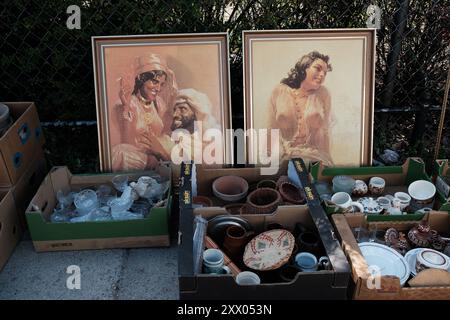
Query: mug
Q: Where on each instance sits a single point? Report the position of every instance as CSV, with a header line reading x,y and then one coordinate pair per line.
x,y
344,201
213,261
236,238
306,261
324,263
404,199
246,278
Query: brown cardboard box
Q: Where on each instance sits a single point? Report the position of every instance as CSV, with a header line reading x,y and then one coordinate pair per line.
x,y
19,144
25,189
10,231
390,288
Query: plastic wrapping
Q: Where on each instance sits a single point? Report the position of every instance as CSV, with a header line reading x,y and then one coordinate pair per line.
x,y
199,242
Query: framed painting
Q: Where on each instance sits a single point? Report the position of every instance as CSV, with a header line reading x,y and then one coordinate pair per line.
x,y
150,87
313,91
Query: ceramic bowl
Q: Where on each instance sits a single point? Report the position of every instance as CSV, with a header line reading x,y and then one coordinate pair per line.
x,y
370,205
230,188
291,193
377,185
360,189
422,191
203,201
429,258
263,200
343,184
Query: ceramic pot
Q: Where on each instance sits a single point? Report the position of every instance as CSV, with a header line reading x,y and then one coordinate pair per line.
x,y
236,238
309,241
428,258
267,184
202,200
420,235
264,200
360,189
282,179
397,241
376,185
288,272
230,188
291,193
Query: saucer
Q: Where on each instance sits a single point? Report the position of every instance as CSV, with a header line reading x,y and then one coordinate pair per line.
x,y
389,261
371,206
269,250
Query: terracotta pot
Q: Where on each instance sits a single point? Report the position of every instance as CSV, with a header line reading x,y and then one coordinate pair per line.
x,y
282,179
202,200
291,193
236,238
264,200
233,208
267,184
309,242
230,188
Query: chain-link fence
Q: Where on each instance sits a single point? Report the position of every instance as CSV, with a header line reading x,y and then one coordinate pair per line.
x,y
44,61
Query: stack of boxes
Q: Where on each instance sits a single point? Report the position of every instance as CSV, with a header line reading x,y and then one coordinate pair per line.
x,y
22,169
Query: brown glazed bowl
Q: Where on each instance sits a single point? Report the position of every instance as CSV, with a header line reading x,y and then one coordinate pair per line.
x,y
230,188
291,193
264,200
202,200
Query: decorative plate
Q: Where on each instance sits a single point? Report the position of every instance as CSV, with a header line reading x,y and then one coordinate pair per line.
x,y
389,261
269,250
370,205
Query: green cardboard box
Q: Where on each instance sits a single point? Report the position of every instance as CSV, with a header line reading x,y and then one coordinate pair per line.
x,y
397,178
152,231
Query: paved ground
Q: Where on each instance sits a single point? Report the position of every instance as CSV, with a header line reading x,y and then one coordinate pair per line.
x,y
104,274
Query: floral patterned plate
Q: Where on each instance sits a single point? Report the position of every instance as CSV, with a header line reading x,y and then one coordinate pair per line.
x,y
269,250
370,205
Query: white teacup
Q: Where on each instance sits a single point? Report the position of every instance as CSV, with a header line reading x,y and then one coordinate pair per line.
x,y
344,200
247,278
404,199
213,261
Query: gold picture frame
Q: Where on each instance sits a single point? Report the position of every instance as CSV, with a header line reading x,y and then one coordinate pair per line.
x,y
195,66
321,115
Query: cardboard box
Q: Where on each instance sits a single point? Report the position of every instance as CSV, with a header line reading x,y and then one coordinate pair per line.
x,y
323,284
152,231
10,230
331,284
19,144
441,170
390,288
24,190
397,179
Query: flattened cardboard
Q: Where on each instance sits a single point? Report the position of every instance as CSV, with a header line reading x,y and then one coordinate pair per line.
x,y
10,230
150,231
18,146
